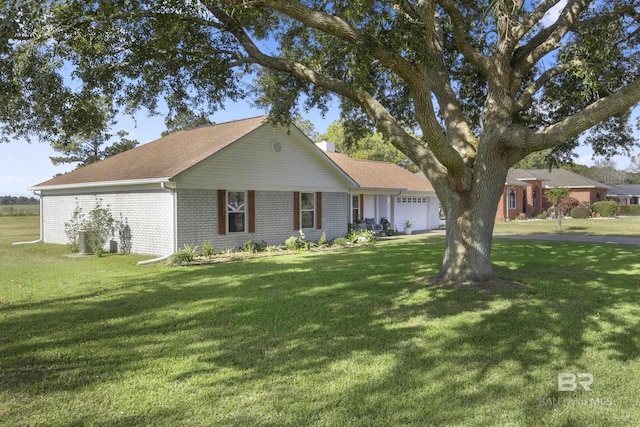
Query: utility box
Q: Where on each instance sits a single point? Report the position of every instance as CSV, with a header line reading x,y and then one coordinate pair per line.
x,y
83,246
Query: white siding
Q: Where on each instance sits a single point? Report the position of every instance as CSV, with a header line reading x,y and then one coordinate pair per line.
x,y
252,162
149,214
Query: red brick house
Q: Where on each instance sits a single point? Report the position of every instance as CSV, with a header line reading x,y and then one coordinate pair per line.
x,y
524,191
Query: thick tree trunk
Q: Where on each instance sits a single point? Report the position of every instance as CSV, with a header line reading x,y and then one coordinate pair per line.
x,y
467,256
470,219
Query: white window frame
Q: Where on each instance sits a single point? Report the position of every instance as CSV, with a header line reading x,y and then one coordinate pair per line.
x,y
355,208
512,199
308,210
239,209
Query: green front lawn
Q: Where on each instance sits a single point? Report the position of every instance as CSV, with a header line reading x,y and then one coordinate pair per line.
x,y
618,226
344,337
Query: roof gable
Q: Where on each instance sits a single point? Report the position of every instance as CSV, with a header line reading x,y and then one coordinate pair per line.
x,y
163,158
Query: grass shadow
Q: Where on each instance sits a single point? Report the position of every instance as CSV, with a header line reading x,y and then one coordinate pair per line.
x,y
359,330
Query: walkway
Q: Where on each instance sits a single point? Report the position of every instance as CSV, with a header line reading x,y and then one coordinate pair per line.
x,y
617,240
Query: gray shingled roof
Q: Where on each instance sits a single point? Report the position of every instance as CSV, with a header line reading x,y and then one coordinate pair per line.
x,y
632,190
556,178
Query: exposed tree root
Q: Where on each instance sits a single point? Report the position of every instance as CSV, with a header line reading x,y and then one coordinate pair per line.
x,y
491,285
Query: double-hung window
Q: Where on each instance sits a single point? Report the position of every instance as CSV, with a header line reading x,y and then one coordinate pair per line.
x,y
355,208
512,198
236,211
308,210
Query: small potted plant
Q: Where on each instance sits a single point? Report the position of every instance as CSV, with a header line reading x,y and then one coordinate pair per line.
x,y
408,227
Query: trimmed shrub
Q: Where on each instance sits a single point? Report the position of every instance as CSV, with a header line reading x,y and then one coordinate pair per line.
x,y
543,215
605,208
633,210
580,212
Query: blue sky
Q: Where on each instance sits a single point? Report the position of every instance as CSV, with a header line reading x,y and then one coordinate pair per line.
x,y
23,165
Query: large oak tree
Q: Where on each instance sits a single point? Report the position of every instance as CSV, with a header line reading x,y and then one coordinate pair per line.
x,y
484,83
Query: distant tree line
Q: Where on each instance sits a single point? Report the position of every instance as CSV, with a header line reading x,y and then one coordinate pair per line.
x,y
18,200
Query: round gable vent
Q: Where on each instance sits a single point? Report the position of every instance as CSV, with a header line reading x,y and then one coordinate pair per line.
x,y
276,147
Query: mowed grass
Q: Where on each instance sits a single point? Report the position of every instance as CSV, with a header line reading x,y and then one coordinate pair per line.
x,y
351,337
617,226
19,210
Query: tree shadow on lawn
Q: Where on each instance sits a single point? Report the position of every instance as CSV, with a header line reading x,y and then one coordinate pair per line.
x,y
335,318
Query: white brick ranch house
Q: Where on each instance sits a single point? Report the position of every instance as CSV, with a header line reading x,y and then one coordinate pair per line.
x,y
226,184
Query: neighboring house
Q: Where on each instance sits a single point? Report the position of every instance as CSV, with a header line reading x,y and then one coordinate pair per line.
x,y
386,190
226,183
625,194
524,191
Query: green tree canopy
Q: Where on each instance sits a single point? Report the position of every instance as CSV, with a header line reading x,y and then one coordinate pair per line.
x,y
85,139
483,83
371,146
185,119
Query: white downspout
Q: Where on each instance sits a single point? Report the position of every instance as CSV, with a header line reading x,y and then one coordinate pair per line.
x,y
154,260
173,234
41,239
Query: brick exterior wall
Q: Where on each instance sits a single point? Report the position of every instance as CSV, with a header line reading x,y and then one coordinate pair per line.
x,y
198,220
148,213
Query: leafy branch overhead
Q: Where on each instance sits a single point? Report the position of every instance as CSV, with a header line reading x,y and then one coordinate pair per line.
x,y
463,88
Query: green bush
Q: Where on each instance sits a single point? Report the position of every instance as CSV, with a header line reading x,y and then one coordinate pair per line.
x,y
323,239
580,212
252,247
185,255
340,241
291,243
605,208
362,237
208,250
633,210
543,215
299,243
99,225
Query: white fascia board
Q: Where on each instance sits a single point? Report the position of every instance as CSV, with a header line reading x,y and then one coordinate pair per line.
x,y
373,190
101,184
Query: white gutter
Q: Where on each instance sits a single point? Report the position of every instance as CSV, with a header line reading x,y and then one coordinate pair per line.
x,y
102,184
378,190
